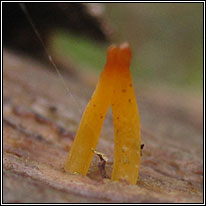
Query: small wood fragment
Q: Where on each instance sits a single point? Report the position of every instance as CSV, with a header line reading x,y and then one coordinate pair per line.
x,y
102,163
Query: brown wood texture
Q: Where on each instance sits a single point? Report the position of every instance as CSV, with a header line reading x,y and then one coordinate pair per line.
x,y
39,124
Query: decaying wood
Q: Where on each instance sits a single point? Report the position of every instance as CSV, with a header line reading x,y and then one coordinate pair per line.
x,y
39,125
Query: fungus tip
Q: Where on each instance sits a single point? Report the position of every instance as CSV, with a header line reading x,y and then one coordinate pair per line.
x,y
125,55
111,55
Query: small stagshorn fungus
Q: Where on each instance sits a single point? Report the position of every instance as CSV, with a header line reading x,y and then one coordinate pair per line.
x,y
114,89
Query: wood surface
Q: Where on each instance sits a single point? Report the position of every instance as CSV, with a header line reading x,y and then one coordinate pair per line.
x,y
39,124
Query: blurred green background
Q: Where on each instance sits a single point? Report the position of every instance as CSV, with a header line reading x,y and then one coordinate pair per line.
x,y
166,40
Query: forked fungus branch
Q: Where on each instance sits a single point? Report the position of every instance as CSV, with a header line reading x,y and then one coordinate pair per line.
x,y
115,89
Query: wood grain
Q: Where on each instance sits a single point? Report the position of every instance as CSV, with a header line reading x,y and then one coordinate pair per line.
x,y
39,125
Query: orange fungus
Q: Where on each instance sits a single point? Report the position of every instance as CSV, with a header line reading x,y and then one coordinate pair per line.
x,y
115,89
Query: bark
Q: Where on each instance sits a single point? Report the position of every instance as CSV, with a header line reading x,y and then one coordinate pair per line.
x,y
39,124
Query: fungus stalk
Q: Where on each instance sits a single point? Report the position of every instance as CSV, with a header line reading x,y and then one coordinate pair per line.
x,y
127,142
81,153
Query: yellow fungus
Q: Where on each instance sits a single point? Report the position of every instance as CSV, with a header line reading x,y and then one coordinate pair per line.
x,y
81,153
114,89
126,121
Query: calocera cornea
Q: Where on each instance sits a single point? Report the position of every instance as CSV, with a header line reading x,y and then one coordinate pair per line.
x,y
115,89
81,152
127,142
